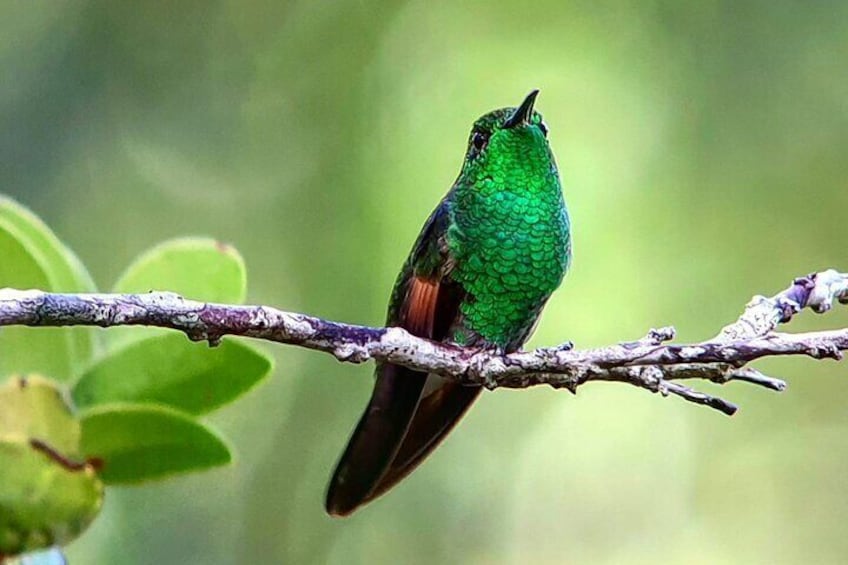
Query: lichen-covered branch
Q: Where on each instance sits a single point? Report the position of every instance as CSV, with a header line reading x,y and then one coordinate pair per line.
x,y
650,363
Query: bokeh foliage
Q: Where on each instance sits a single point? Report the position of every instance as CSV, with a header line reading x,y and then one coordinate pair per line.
x,y
702,148
116,413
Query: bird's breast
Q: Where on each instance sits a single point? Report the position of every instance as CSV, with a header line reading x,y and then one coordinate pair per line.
x,y
511,251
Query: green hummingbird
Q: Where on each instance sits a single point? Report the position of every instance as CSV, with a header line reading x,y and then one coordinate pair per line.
x,y
486,261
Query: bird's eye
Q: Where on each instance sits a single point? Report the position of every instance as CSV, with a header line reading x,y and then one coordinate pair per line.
x,y
479,140
544,128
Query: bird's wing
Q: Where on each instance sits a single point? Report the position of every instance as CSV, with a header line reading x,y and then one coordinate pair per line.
x,y
409,411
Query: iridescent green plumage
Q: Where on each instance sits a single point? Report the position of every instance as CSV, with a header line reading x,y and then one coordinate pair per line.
x,y
510,233
484,265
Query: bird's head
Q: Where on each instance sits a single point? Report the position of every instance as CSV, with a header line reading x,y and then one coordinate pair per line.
x,y
509,144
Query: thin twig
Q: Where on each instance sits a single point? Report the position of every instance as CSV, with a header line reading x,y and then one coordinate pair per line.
x,y
650,363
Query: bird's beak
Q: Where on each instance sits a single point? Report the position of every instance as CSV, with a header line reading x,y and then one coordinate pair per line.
x,y
522,114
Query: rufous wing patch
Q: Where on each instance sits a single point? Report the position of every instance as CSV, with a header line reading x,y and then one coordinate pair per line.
x,y
419,308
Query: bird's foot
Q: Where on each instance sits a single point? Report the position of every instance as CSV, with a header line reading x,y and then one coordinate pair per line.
x,y
486,360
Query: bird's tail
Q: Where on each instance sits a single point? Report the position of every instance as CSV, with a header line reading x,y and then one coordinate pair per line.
x,y
376,439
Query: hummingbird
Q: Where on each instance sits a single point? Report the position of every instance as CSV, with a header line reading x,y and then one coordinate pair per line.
x,y
484,265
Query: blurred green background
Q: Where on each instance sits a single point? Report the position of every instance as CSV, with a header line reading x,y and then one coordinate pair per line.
x,y
703,153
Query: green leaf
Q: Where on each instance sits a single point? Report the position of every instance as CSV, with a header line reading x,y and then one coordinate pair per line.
x,y
145,442
34,408
169,369
197,268
43,502
31,256
47,494
24,350
66,271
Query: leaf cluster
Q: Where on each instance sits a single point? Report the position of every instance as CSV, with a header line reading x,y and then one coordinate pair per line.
x,y
81,408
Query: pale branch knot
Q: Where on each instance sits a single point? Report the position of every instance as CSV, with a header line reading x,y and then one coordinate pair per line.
x,y
650,363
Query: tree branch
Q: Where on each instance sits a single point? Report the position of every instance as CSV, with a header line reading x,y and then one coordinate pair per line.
x,y
649,363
